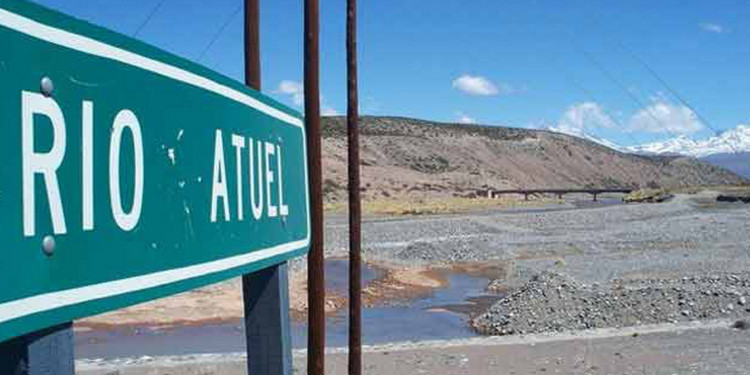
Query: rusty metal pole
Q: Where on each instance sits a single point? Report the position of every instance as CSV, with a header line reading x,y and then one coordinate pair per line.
x,y
355,229
265,292
252,43
315,276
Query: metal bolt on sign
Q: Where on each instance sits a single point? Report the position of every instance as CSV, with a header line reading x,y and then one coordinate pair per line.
x,y
47,86
48,245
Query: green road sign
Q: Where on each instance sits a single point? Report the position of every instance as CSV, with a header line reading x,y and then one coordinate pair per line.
x,y
129,174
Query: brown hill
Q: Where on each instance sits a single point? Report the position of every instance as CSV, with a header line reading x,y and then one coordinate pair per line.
x,y
404,157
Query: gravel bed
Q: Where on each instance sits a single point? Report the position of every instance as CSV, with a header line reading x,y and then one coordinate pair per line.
x,y
597,244
551,301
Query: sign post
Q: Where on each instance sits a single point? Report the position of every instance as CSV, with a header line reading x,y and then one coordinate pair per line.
x,y
132,174
265,292
45,352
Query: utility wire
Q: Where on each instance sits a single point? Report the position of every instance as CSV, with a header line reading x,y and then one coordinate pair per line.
x,y
639,103
219,32
148,18
671,90
619,84
568,76
663,82
622,87
590,96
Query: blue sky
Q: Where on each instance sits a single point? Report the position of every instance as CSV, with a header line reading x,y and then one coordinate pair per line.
x,y
515,63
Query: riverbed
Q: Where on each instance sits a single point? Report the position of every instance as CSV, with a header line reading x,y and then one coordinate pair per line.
x,y
441,314
590,242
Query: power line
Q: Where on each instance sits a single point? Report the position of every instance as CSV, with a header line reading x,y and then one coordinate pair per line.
x,y
589,95
622,87
219,32
148,18
619,84
672,90
663,82
639,103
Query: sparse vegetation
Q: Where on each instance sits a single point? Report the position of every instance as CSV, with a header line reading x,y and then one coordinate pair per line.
x,y
433,206
648,196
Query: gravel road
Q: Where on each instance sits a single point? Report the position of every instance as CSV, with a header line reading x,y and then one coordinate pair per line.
x,y
707,348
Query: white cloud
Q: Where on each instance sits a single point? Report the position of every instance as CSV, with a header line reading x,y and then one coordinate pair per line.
x,y
463,118
581,118
297,91
480,86
664,117
328,111
713,28
293,88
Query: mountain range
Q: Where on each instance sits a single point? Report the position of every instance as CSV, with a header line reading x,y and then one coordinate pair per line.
x,y
729,149
737,162
403,157
730,141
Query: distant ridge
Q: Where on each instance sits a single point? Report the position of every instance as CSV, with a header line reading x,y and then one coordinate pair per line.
x,y
403,157
738,163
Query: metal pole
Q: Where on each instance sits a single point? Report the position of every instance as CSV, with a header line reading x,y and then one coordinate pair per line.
x,y
252,43
265,292
352,116
315,277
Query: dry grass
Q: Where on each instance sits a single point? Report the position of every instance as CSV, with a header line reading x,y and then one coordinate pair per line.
x,y
435,206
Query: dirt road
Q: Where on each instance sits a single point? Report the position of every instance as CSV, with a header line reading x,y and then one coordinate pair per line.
x,y
693,348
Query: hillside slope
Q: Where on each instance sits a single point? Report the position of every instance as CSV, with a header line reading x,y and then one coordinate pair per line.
x,y
738,163
409,157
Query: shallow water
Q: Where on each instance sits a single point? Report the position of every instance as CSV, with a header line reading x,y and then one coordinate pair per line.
x,y
337,274
442,314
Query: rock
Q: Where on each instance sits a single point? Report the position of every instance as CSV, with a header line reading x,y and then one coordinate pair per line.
x,y
741,324
733,198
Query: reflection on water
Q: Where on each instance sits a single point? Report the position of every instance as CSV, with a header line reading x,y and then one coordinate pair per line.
x,y
337,274
441,315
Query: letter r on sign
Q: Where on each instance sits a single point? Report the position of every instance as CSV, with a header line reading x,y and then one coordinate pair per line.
x,y
45,164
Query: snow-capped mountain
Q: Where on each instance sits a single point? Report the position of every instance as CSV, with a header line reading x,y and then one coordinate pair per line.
x,y
730,141
729,150
678,145
601,141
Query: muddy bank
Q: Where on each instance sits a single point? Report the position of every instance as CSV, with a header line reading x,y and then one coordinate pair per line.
x,y
436,304
223,303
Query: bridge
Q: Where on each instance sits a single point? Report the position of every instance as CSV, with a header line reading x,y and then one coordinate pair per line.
x,y
559,192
